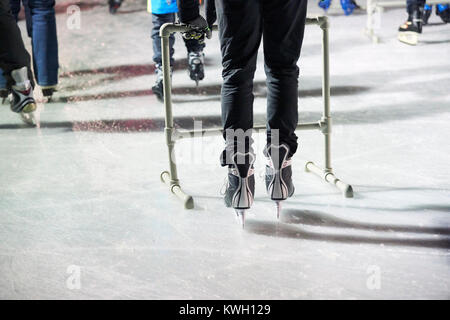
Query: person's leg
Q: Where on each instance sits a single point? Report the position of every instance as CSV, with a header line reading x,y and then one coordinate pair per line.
x,y
240,31
193,45
15,61
44,41
283,28
196,59
412,5
13,54
158,20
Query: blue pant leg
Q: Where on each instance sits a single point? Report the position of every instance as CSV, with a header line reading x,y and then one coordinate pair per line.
x,y
44,41
158,20
2,80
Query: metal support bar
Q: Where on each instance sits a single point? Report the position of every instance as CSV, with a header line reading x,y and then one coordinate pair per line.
x,y
324,124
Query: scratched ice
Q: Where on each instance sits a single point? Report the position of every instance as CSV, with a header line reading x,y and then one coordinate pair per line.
x,y
83,213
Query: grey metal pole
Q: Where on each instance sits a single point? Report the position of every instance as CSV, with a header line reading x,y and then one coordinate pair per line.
x,y
172,178
326,92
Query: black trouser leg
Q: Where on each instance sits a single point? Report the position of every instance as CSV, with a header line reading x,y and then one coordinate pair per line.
x,y
193,45
13,54
283,29
412,5
240,31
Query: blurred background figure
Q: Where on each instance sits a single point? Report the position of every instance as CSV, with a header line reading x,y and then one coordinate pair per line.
x,y
347,5
409,31
41,28
163,11
15,62
418,15
114,5
442,10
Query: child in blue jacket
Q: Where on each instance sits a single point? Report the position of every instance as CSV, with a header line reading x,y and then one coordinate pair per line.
x,y
163,11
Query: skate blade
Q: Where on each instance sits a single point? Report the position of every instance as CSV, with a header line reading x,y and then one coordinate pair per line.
x,y
29,114
411,38
240,216
278,205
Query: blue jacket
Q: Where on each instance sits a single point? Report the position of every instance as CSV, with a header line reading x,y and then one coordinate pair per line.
x,y
162,6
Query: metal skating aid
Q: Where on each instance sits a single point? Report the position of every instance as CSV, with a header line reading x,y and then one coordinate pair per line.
x,y
323,125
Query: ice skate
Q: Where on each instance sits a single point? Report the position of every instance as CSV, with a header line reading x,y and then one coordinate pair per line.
x,y
409,31
240,189
22,100
47,92
443,11
114,5
196,68
278,178
157,88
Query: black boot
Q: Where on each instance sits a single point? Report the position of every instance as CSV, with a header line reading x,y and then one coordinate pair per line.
x,y
240,190
409,31
195,66
279,183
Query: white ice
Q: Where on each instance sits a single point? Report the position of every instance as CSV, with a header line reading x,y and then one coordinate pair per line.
x,y
83,191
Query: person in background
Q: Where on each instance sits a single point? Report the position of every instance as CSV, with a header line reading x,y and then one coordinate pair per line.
x,y
164,11
114,5
15,63
442,10
41,28
347,5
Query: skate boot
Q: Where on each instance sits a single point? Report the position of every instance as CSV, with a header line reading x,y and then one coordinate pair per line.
x,y
240,188
348,6
195,68
278,178
426,13
47,92
114,5
158,89
409,31
443,11
22,100
324,4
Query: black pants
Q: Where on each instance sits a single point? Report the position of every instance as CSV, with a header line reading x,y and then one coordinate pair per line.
x,y
412,5
13,54
242,24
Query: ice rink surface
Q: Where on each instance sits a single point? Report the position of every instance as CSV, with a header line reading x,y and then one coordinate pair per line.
x,y
83,214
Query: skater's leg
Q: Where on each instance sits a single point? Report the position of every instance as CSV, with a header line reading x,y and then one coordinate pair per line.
x,y
240,30
412,5
410,30
13,54
196,59
283,28
44,42
158,20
